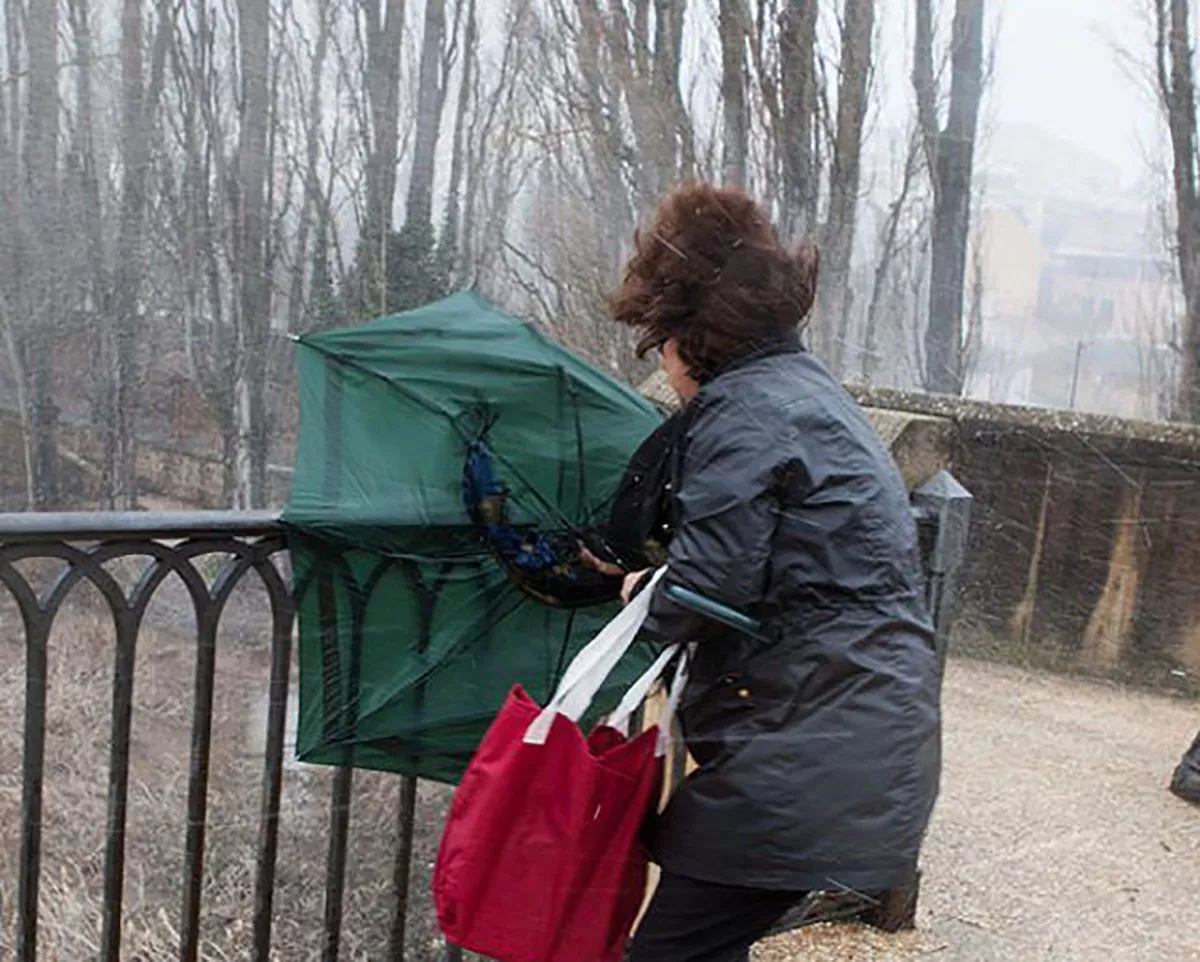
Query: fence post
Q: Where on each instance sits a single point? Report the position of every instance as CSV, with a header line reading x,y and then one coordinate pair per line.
x,y
943,510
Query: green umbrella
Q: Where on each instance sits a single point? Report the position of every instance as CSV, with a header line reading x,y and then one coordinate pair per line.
x,y
450,460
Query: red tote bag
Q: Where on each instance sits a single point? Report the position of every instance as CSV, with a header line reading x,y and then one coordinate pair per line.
x,y
541,860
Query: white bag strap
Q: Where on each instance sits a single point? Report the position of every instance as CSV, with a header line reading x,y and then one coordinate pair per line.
x,y
586,674
667,720
619,719
637,693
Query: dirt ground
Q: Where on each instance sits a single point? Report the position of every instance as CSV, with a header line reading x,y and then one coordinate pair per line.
x,y
1054,837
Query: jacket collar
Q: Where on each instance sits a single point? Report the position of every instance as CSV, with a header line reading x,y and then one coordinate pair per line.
x,y
788,343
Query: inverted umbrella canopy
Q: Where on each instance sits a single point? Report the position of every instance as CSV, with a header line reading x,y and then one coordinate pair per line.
x,y
450,460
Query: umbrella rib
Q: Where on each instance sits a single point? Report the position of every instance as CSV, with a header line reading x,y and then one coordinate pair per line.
x,y
412,395
584,506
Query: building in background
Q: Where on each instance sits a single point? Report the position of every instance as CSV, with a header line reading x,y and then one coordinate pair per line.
x,y
1079,293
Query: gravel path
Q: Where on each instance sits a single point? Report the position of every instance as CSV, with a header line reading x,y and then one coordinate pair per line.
x,y
1054,839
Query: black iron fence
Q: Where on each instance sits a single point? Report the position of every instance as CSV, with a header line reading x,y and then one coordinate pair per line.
x,y
211,554
85,544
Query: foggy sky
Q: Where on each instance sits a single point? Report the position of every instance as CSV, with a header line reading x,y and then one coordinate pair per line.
x,y
1058,66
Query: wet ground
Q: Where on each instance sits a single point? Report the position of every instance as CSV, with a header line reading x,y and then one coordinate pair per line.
x,y
1055,838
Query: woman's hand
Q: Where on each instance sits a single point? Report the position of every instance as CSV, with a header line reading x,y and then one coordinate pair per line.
x,y
632,583
596,564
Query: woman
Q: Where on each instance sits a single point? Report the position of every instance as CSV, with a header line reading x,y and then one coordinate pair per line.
x,y
819,748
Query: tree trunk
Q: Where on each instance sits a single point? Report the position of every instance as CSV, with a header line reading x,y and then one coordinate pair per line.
x,y
1177,92
883,266
600,112
384,42
643,69
449,242
250,455
951,157
135,161
798,76
312,190
415,276
733,91
431,95
43,301
84,161
14,16
92,290
12,254
668,62
636,63
858,30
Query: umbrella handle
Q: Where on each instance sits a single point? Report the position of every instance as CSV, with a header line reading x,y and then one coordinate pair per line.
x,y
717,611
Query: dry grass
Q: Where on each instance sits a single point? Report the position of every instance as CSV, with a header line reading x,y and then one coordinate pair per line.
x,y
77,754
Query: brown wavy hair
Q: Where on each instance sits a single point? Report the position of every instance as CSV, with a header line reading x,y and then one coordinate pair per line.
x,y
711,272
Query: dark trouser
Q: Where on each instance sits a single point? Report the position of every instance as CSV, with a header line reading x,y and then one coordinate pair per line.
x,y
692,921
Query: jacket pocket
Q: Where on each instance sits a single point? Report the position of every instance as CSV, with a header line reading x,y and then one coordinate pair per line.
x,y
719,715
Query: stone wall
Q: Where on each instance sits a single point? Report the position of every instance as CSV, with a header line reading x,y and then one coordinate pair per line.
x,y
168,477
1084,552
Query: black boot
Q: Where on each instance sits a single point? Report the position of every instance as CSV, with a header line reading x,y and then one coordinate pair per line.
x,y
1186,783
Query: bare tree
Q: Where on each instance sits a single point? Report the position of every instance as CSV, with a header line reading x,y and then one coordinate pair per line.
x,y
889,243
219,190
12,254
250,247
976,291
950,155
103,271
449,254
497,165
582,124
383,30
431,98
32,308
1177,94
642,57
799,130
733,90
140,99
215,172
857,34
87,289
613,133
415,276
311,257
